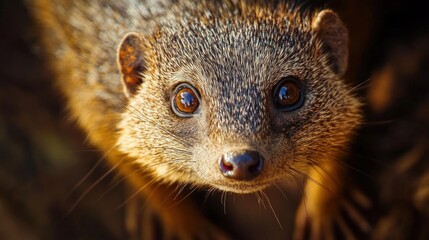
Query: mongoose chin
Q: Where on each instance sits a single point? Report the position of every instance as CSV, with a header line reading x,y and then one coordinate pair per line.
x,y
235,95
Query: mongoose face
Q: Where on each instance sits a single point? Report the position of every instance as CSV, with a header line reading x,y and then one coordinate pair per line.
x,y
237,100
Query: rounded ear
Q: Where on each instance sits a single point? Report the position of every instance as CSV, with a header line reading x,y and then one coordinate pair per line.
x,y
131,62
334,37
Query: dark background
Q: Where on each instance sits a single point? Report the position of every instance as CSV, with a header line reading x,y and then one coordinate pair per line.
x,y
43,154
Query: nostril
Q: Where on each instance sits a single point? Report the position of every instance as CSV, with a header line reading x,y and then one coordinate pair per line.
x,y
256,167
243,165
225,166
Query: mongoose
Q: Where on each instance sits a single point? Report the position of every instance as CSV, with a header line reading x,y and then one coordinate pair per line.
x,y
230,95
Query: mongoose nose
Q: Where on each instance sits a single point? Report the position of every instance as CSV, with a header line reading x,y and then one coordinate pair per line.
x,y
243,165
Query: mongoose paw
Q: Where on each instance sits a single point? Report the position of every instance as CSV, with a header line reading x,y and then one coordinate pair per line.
x,y
333,218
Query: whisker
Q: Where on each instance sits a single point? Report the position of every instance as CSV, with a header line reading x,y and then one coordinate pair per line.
x,y
89,173
92,186
209,191
304,198
380,163
136,193
152,192
186,196
301,186
271,207
382,122
122,179
182,187
281,191
359,171
309,178
362,84
260,200
144,186
325,173
142,169
221,198
224,203
257,199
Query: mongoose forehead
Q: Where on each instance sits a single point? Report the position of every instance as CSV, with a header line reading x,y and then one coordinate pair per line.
x,y
234,55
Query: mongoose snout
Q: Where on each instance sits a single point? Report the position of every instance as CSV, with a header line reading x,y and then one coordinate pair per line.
x,y
242,165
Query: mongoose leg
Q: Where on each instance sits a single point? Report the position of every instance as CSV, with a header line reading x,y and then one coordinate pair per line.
x,y
321,212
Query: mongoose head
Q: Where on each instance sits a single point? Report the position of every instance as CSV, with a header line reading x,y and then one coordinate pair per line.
x,y
237,96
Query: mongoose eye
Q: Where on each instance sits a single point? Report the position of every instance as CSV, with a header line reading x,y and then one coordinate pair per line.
x,y
185,101
288,94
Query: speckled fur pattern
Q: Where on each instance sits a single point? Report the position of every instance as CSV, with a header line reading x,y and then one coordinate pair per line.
x,y
233,52
235,57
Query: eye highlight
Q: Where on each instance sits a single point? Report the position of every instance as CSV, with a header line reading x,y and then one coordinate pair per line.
x,y
185,101
288,94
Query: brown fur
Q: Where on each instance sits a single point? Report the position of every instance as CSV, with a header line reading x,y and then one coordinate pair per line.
x,y
234,53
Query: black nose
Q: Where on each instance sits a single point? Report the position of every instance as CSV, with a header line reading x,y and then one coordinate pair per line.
x,y
243,165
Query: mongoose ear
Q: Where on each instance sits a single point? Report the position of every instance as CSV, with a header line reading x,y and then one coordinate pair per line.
x,y
131,62
334,37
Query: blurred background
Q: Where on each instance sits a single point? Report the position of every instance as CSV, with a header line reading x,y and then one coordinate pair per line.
x,y
44,155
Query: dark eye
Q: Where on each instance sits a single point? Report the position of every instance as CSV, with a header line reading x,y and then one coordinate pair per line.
x,y
185,101
288,94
